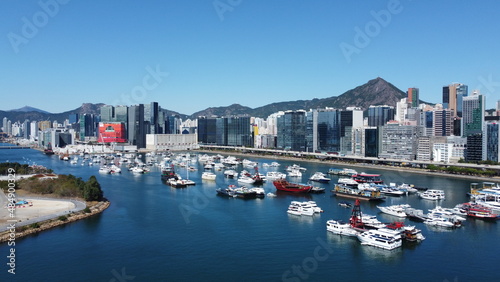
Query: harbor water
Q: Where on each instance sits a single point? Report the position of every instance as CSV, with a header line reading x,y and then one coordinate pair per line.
x,y
153,232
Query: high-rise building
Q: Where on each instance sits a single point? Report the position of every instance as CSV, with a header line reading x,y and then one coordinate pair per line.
x,y
325,131
462,91
292,131
371,142
380,115
207,133
474,152
26,129
413,97
398,141
107,113
443,122
493,142
473,114
446,97
135,129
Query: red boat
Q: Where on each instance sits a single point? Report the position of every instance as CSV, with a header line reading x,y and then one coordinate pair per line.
x,y
479,211
284,185
367,178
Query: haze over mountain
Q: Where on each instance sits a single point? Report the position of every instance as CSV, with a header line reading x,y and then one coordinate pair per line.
x,y
375,92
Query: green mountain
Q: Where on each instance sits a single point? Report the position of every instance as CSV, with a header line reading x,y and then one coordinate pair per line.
x,y
375,92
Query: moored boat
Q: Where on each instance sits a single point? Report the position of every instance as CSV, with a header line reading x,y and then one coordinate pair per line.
x,y
340,227
348,191
284,185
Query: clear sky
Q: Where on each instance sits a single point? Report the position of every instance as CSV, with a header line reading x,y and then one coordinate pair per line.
x,y
192,54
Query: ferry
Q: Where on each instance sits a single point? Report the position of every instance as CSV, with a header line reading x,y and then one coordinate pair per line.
x,y
380,238
347,191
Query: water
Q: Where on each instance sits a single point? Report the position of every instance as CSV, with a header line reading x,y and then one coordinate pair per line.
x,y
152,232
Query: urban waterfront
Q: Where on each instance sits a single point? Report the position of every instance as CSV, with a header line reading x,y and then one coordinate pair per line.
x,y
153,232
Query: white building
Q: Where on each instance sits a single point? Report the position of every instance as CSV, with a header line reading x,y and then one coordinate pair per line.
x,y
174,142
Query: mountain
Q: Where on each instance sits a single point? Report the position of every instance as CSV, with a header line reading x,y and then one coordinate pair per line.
x,y
29,109
375,92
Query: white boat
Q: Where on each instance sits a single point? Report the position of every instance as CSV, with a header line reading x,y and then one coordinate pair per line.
x,y
259,191
340,227
319,177
395,210
137,170
115,169
303,207
380,238
432,194
274,164
208,175
294,210
104,170
246,179
275,175
230,173
314,206
391,191
439,221
295,167
271,195
295,173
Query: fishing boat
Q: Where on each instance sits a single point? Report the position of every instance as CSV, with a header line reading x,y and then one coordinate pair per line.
x,y
284,185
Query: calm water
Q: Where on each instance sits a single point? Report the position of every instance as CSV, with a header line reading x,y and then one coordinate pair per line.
x,y
152,232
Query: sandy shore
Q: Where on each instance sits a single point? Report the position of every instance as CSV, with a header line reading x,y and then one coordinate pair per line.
x,y
37,208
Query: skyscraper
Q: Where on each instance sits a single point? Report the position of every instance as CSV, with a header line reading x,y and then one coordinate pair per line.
x,y
413,97
453,95
473,114
380,115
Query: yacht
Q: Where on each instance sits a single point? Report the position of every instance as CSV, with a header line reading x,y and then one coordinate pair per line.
x,y
230,173
295,167
104,170
380,238
295,173
260,192
208,175
432,194
319,177
340,227
275,175
439,221
395,210
245,179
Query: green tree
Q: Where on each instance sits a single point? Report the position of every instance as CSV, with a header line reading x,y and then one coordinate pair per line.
x,y
92,190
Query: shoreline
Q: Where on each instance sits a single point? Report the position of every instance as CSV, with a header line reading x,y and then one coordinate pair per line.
x,y
356,165
42,225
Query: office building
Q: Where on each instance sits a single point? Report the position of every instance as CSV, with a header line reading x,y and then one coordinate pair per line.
x,y
413,97
473,114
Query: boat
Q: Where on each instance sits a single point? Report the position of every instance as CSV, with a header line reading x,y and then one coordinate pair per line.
x,y
348,191
275,175
230,173
104,170
343,171
317,190
208,175
295,173
176,183
391,191
439,221
168,172
137,170
345,204
394,210
48,150
304,208
479,211
412,234
260,192
415,214
245,193
227,192
432,194
271,195
314,206
284,185
340,227
319,177
245,179
367,178
380,238
295,167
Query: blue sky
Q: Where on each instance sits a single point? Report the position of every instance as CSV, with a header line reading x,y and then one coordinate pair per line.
x,y
190,55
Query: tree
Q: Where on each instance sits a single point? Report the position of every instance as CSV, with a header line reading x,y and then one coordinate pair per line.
x,y
92,190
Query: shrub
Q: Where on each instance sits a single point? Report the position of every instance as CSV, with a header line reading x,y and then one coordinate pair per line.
x,y
62,218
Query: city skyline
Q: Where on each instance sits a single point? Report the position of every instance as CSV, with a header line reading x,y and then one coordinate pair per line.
x,y
191,56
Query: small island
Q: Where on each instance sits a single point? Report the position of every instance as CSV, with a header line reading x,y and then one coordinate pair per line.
x,y
34,199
